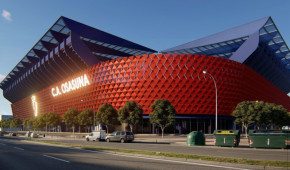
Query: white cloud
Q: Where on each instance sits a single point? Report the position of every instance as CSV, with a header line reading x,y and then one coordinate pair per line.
x,y
1,77
6,15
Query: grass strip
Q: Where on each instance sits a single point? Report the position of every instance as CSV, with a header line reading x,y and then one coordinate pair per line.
x,y
177,155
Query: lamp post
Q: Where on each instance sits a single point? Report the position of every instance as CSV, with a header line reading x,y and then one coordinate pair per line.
x,y
216,111
94,116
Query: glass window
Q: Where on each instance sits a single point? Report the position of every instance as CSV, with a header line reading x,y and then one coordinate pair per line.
x,y
56,27
263,31
123,133
271,28
60,22
202,48
129,133
118,133
216,45
65,30
269,22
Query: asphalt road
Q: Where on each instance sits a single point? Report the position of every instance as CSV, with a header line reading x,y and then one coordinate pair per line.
x,y
18,154
235,152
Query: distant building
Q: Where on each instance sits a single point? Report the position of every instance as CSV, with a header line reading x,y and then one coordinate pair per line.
x,y
4,117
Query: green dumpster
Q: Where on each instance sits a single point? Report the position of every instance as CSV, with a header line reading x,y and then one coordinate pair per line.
x,y
195,138
269,138
226,137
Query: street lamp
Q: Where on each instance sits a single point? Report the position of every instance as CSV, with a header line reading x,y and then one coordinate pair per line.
x,y
216,111
93,113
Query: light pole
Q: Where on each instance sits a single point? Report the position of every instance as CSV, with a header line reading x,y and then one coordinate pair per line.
x,y
94,116
216,110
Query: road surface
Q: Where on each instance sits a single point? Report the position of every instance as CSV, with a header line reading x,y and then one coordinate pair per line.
x,y
18,154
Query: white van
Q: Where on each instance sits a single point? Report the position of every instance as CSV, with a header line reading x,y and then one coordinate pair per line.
x,y
96,136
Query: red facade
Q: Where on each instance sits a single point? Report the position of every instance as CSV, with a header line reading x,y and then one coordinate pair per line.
x,y
176,77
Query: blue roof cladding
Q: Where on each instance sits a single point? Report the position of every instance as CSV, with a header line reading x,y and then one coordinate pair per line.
x,y
234,33
65,49
239,44
90,53
95,34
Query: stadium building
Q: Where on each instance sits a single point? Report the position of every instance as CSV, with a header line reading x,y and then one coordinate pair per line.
x,y
77,66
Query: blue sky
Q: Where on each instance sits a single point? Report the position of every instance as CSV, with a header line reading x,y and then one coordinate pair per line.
x,y
157,24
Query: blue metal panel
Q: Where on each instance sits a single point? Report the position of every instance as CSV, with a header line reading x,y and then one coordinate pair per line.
x,y
246,50
65,43
92,33
240,31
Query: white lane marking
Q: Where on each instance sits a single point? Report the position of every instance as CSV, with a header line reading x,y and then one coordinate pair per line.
x,y
56,158
190,163
76,148
95,151
2,144
18,148
182,162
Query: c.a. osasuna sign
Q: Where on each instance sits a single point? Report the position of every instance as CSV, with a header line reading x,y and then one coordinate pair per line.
x,y
71,85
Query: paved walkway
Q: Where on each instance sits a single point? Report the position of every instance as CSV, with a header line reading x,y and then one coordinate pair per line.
x,y
172,139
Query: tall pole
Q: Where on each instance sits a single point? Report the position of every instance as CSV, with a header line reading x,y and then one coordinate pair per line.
x,y
216,104
94,116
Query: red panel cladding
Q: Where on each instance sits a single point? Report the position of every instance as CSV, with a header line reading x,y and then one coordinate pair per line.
x,y
176,77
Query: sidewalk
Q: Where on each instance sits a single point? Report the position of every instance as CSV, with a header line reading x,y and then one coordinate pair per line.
x,y
172,139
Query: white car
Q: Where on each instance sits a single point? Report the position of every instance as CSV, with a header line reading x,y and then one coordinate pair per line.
x,y
96,136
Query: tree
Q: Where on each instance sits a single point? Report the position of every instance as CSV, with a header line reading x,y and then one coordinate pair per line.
x,y
11,123
279,115
245,114
42,121
86,118
162,114
262,111
107,115
1,124
27,123
70,118
37,123
6,123
130,113
15,123
53,120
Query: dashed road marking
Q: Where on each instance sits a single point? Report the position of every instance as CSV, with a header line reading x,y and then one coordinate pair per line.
x,y
56,158
18,148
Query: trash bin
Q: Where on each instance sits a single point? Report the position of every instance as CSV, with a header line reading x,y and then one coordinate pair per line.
x,y
269,139
195,138
226,138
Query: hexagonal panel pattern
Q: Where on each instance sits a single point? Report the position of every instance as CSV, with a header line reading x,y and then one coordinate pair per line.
x,y
176,77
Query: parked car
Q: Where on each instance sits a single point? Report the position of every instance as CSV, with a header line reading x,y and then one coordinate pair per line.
x,y
121,136
96,136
